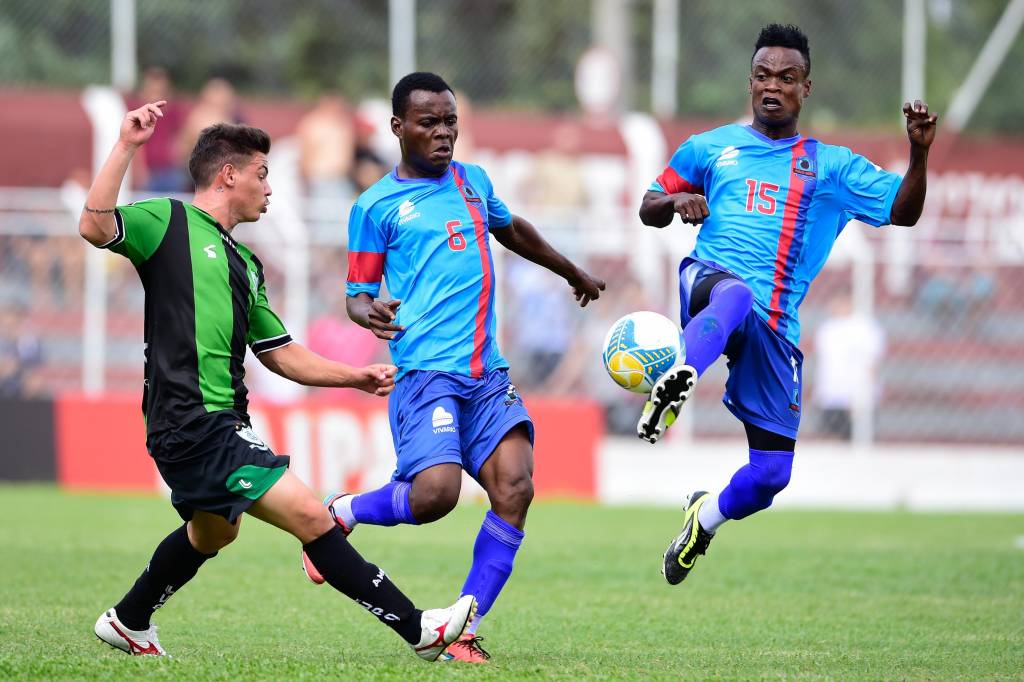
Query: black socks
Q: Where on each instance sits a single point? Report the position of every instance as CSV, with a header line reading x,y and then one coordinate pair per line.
x,y
346,571
174,563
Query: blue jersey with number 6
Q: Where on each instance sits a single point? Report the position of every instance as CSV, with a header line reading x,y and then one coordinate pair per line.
x,y
777,207
428,237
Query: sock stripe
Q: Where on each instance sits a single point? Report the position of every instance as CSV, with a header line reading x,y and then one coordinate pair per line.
x,y
400,502
502,531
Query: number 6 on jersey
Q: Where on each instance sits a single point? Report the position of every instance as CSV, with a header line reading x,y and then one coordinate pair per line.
x,y
456,242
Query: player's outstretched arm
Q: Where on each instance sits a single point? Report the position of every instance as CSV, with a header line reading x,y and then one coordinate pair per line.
x,y
657,209
97,222
522,238
376,315
909,203
303,366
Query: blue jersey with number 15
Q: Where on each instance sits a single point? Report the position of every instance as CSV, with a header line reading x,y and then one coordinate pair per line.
x,y
777,207
428,237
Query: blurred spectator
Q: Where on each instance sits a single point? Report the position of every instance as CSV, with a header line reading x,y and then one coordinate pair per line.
x,y
955,296
848,347
327,148
216,103
368,167
542,316
556,178
21,354
162,168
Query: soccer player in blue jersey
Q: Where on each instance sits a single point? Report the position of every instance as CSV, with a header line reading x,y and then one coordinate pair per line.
x,y
770,203
424,227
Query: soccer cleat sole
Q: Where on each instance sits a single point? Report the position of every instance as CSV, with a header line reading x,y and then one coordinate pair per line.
x,y
669,394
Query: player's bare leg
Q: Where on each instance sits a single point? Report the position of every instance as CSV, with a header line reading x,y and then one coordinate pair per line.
x,y
292,506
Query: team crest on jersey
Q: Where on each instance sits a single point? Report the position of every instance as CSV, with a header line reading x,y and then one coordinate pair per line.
x,y
804,166
470,194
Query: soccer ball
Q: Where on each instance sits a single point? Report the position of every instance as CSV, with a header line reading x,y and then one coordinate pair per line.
x,y
639,348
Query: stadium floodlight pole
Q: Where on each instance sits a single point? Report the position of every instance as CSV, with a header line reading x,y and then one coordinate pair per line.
x,y
401,38
985,67
123,59
665,57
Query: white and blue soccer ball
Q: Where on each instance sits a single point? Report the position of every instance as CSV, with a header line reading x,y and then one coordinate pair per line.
x,y
639,348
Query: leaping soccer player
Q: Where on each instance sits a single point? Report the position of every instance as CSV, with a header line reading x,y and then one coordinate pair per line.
x,y
770,203
424,227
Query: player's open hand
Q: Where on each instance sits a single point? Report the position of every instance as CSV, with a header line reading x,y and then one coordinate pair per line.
x,y
692,208
139,124
375,379
381,318
920,124
586,287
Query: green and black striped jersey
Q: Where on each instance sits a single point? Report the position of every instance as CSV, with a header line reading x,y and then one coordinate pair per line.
x,y
205,301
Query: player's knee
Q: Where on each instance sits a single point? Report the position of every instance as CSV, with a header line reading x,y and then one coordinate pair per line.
x,y
212,540
513,495
433,501
773,473
739,295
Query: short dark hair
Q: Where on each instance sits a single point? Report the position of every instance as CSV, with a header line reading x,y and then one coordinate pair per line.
x,y
778,35
420,80
224,143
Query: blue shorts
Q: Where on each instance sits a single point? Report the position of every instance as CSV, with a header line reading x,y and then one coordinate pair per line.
x,y
765,370
438,417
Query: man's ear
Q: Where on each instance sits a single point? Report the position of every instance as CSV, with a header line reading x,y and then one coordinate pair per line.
x,y
807,88
228,175
396,127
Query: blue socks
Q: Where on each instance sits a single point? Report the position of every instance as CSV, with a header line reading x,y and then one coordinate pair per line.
x,y
755,485
706,334
385,506
493,554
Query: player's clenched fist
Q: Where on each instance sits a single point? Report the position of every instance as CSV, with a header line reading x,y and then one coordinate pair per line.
x,y
920,124
692,208
381,318
139,124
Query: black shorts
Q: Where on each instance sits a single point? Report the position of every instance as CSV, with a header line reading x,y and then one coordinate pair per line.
x,y
215,464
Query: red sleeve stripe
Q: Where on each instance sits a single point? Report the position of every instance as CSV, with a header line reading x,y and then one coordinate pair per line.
x,y
674,183
365,267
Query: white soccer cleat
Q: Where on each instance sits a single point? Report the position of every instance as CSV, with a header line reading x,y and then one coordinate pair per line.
x,y
135,642
441,627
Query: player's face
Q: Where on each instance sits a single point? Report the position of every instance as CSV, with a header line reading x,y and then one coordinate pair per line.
x,y
252,190
428,131
778,86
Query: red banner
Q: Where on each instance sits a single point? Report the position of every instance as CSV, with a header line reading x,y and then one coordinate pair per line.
x,y
344,445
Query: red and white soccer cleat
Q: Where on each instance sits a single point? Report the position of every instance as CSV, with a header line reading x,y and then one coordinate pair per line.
x,y
467,649
307,565
135,642
441,627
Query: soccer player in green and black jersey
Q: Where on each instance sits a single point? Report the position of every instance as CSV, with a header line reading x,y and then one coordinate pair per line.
x,y
206,301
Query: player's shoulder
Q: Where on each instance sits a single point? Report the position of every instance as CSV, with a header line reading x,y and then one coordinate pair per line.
x,y
471,172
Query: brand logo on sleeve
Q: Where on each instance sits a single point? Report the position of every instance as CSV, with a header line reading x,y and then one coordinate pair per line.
x,y
442,420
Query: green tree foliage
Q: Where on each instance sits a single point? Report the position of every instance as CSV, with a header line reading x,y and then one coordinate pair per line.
x,y
517,54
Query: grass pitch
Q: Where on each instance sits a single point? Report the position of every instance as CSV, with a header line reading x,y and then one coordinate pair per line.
x,y
805,595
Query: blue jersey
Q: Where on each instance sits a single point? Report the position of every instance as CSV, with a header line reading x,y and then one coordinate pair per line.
x,y
428,237
777,207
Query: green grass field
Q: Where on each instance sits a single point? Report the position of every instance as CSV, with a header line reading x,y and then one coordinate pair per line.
x,y
782,595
